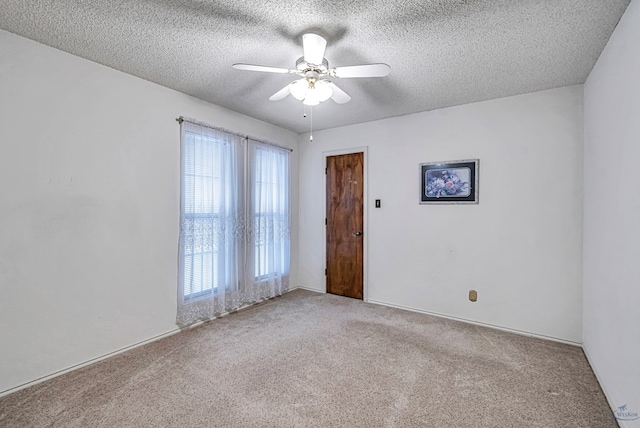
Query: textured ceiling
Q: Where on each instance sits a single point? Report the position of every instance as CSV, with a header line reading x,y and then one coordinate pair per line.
x,y
441,52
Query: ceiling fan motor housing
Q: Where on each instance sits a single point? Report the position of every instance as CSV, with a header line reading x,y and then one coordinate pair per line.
x,y
303,66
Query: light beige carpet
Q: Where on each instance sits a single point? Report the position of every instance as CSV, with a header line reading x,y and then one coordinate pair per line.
x,y
314,360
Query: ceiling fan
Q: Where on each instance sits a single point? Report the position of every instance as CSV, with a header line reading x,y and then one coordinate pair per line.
x,y
314,85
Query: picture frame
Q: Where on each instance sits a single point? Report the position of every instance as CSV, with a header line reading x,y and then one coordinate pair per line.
x,y
449,182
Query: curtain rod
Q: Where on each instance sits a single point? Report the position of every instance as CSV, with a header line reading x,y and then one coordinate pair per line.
x,y
217,128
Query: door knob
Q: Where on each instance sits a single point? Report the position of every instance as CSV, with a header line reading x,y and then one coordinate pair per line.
x,y
358,233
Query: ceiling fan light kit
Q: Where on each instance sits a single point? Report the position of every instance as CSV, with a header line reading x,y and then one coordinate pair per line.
x,y
311,91
315,87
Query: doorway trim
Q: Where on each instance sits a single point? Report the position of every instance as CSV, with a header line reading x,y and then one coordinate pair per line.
x,y
365,214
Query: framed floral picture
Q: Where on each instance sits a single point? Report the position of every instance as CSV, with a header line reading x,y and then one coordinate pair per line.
x,y
452,182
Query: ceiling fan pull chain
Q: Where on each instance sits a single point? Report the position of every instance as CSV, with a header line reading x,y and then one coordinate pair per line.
x,y
311,129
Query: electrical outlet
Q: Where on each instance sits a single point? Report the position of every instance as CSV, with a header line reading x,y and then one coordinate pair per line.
x,y
473,295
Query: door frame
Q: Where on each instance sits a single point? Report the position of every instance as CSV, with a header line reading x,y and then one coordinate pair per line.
x,y
365,214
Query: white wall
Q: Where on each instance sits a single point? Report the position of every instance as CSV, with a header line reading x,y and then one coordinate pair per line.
x,y
612,214
89,207
520,247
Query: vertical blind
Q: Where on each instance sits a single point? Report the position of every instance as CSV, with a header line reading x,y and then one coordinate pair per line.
x,y
234,238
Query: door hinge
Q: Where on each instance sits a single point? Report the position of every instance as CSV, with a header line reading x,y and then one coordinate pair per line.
x,y
325,220
325,272
325,171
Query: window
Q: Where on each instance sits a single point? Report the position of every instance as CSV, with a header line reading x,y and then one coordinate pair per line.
x,y
203,162
270,194
234,238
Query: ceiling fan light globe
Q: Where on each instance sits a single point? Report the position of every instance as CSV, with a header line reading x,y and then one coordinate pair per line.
x,y
312,98
325,97
299,89
323,90
298,96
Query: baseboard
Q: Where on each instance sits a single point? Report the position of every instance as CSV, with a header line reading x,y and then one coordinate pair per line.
x,y
177,330
116,352
300,287
86,363
496,327
612,405
437,314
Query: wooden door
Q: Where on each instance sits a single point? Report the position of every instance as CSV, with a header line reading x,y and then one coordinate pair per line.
x,y
345,249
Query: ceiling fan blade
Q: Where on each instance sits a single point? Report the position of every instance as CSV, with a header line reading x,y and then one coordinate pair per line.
x,y
281,94
338,95
251,67
313,46
368,70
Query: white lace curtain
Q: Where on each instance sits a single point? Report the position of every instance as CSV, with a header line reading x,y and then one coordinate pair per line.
x,y
268,232
234,243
